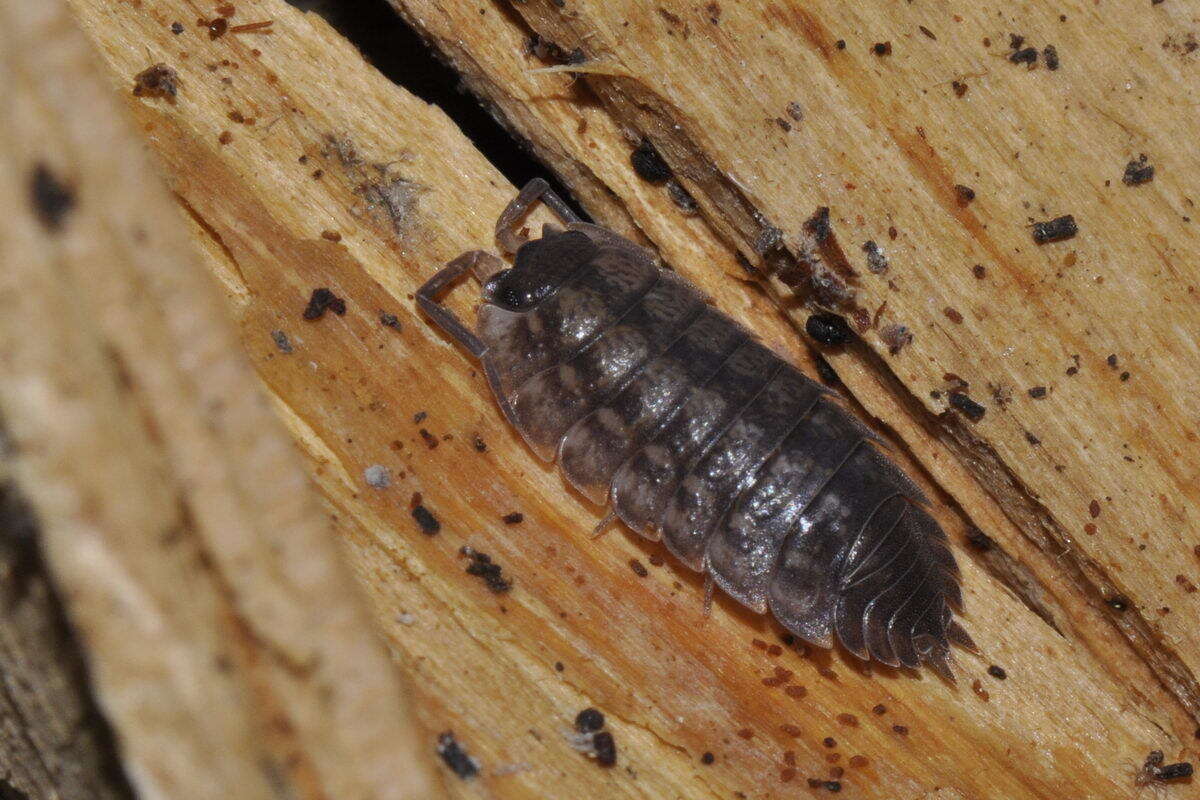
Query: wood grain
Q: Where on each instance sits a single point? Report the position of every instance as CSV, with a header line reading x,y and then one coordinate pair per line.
x,y
1093,470
227,644
347,182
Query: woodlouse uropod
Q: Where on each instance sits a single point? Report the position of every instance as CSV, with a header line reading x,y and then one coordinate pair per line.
x,y
654,401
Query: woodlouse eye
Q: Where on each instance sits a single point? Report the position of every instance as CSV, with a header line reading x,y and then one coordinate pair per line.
x,y
506,290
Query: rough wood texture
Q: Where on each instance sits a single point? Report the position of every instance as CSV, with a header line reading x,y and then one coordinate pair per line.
x,y
226,640
344,181
55,743
769,110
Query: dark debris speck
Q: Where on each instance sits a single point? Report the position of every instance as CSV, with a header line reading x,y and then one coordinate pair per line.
x,y
482,566
828,329
156,81
1055,230
52,199
323,299
589,720
281,341
997,672
877,262
426,520
389,320
1050,56
882,48
648,164
455,757
513,518
606,749
969,408
1138,172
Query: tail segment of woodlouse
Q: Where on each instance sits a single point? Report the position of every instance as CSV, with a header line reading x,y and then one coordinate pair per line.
x,y
651,399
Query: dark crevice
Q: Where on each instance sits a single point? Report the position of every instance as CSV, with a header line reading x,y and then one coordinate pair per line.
x,y
22,568
401,55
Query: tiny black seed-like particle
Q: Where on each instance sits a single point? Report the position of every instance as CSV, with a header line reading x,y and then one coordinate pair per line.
x,y
426,520
589,720
828,329
997,672
606,749
1050,56
648,164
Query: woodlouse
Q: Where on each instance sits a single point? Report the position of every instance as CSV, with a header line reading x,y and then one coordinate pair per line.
x,y
654,401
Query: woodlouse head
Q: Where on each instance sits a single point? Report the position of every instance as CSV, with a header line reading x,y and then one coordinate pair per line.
x,y
540,267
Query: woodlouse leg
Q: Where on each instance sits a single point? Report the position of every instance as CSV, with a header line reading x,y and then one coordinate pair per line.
x,y
509,220
427,298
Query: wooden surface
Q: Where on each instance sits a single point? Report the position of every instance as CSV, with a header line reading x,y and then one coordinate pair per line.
x,y
1109,488
347,182
55,743
226,642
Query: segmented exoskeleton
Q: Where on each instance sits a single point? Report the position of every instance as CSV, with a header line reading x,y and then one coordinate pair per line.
x,y
656,402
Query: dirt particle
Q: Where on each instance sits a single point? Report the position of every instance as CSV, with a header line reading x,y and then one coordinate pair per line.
x,y
877,262
828,329
953,315
1185,584
795,111
51,199
829,742
323,299
707,758
968,407
848,720
879,710
928,33
1094,508
1037,392
901,730
176,28
1033,440
225,138
589,720
513,518
217,27
795,692
979,271
389,320
455,757
896,337
959,88
963,195
605,748
431,441
1055,230
882,48
791,730
1050,56
1117,602
482,566
648,164
331,236
281,341
157,81
378,476
428,523
638,568
1138,172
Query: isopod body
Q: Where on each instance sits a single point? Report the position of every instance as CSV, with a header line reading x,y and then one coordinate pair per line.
x,y
653,401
